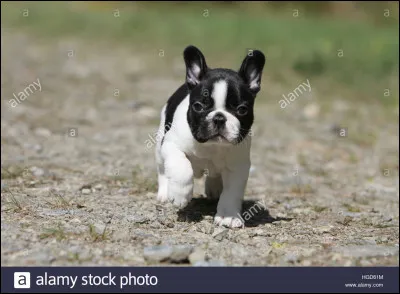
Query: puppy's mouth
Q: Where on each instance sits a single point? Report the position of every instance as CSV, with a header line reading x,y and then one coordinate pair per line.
x,y
218,138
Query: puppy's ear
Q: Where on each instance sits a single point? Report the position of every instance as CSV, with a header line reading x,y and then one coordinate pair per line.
x,y
196,66
251,70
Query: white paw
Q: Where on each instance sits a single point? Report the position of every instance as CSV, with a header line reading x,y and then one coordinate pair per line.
x,y
180,202
163,197
178,195
229,222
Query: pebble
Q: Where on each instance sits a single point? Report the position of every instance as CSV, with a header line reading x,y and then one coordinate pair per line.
x,y
162,253
75,221
311,111
198,255
42,132
291,257
99,228
366,250
323,229
139,219
86,191
37,171
220,234
98,187
181,253
209,263
34,147
121,235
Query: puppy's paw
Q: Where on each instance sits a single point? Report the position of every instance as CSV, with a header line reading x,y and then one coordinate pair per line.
x,y
180,202
229,222
180,195
163,197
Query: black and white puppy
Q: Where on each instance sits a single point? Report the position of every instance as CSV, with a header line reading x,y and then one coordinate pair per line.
x,y
205,127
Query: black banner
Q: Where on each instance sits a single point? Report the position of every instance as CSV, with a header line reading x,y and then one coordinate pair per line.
x,y
199,279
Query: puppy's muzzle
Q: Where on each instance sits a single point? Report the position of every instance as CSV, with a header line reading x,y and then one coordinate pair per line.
x,y
219,120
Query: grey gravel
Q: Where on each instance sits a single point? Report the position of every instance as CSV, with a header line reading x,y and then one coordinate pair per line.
x,y
339,209
220,234
162,253
211,263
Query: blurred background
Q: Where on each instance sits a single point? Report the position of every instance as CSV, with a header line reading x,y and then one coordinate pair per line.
x,y
92,77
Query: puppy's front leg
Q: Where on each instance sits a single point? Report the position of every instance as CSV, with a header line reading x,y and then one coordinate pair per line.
x,y
179,172
230,203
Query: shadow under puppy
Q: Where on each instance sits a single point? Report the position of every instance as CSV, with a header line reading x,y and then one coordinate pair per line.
x,y
205,126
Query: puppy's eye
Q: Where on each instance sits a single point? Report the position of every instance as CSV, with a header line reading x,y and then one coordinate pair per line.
x,y
198,106
242,110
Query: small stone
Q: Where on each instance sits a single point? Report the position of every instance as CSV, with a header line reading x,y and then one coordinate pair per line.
x,y
260,232
369,241
42,132
86,191
97,252
198,255
31,184
365,251
209,263
220,234
99,228
181,253
387,219
384,239
138,219
291,257
34,147
157,253
75,221
311,111
323,229
98,186
37,171
121,235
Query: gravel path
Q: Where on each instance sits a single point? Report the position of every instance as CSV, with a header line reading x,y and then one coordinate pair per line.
x,y
79,180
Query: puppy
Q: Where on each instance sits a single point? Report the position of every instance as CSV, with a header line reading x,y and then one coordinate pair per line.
x,y
205,128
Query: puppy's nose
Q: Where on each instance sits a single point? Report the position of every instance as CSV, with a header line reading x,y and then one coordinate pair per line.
x,y
219,119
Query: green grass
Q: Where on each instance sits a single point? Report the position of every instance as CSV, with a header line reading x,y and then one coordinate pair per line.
x,y
306,47
96,236
57,233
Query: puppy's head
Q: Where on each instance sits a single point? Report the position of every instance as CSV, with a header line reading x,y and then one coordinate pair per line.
x,y
221,100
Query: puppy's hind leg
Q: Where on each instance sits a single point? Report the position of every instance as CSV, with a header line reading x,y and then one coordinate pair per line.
x,y
213,187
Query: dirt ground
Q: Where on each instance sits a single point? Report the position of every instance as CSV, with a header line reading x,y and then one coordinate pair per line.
x,y
79,179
